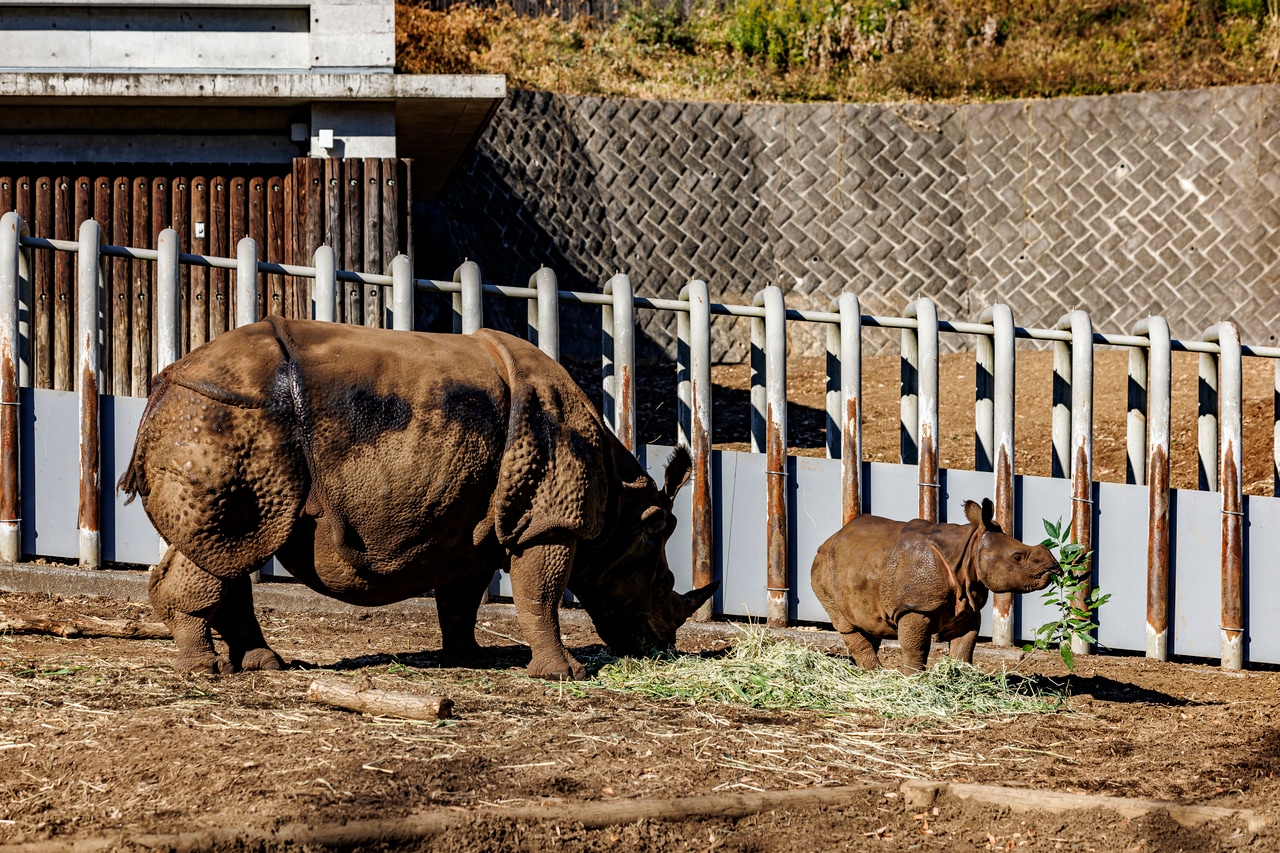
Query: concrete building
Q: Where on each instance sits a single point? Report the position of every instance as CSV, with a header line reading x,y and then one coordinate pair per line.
x,y
279,120
237,81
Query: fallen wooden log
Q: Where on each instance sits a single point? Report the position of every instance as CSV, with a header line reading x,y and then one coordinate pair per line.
x,y
408,706
122,629
591,815
919,794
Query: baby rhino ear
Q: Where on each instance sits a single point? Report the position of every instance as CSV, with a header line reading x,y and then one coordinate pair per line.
x,y
982,515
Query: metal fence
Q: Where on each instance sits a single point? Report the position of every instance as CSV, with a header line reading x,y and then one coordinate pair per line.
x,y
1192,560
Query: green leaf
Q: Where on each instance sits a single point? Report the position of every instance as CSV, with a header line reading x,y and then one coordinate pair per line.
x,y
1068,657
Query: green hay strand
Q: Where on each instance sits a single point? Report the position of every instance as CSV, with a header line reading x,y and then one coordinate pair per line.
x,y
763,671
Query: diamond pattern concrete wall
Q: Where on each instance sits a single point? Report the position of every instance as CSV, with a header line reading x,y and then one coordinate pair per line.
x,y
1129,205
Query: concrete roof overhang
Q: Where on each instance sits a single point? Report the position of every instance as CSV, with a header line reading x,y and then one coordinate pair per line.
x,y
439,117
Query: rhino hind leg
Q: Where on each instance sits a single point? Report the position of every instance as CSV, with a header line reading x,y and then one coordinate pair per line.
x,y
194,603
457,603
224,483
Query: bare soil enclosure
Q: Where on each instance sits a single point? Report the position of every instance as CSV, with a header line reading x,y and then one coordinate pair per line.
x,y
100,739
102,743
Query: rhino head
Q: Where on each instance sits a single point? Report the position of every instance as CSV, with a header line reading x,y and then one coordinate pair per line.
x,y
626,585
1004,564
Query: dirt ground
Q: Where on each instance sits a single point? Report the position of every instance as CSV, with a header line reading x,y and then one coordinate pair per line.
x,y
100,739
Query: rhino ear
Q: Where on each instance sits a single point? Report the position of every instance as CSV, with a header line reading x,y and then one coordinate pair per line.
x,y
989,516
983,516
679,469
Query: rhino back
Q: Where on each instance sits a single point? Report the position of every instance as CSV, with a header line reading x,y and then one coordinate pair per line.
x,y
405,434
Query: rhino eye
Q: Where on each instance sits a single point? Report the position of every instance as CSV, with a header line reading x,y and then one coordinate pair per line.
x,y
1017,557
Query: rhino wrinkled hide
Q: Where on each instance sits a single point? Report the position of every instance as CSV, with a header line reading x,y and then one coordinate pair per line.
x,y
379,465
879,579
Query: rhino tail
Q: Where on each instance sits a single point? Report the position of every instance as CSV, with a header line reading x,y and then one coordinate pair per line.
x,y
133,481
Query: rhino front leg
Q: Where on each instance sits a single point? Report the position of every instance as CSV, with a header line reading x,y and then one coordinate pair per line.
x,y
539,575
862,648
192,602
457,603
961,648
913,636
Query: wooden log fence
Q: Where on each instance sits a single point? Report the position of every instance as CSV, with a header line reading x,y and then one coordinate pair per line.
x,y
209,209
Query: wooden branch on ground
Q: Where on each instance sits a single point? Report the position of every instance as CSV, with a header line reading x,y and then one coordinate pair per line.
x,y
918,794
592,815
408,706
123,629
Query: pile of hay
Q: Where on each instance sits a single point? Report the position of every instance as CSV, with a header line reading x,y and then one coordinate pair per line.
x,y
761,670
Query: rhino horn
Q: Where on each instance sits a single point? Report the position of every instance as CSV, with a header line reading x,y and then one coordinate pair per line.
x,y
694,598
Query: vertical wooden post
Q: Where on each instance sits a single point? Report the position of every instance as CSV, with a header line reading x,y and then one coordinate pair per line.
x,y
161,218
64,211
40,341
237,229
219,247
140,287
199,298
309,172
371,183
276,250
181,206
390,232
353,239
257,211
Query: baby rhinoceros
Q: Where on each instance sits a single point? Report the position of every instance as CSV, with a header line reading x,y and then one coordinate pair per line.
x,y
879,578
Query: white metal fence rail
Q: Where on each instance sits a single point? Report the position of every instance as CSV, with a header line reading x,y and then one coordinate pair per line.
x,y
1073,339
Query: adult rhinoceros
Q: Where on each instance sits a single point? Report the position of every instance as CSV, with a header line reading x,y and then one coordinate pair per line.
x,y
377,465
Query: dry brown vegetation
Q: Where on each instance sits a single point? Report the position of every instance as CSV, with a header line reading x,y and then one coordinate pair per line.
x,y
856,50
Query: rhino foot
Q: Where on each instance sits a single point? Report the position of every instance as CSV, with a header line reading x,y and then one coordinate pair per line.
x,y
562,670
474,658
261,659
205,664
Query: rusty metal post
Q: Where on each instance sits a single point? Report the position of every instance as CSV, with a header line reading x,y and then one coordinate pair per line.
x,y
168,313
844,401
1223,433
544,313
1149,417
468,304
771,332
618,360
920,362
246,282
1079,354
694,393
13,269
325,293
994,423
401,294
88,281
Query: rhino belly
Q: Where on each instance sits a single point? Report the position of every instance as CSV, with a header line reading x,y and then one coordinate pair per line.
x,y
322,557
